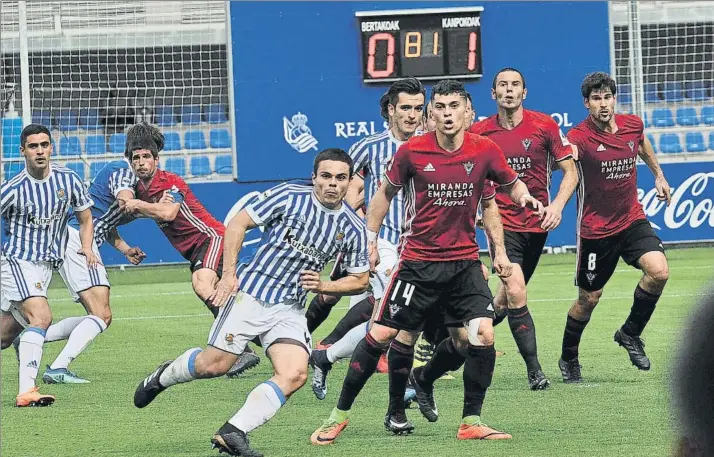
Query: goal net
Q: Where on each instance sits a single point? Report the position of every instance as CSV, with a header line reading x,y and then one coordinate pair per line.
x,y
97,67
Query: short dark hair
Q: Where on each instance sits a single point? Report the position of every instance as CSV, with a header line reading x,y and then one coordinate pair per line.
x,y
448,87
146,130
596,81
33,129
139,143
411,86
502,70
335,154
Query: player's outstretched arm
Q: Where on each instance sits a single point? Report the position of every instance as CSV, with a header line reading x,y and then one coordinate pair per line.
x,y
86,236
352,284
553,213
494,230
647,154
161,211
133,254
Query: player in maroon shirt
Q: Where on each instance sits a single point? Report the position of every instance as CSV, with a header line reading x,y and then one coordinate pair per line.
x,y
443,174
611,222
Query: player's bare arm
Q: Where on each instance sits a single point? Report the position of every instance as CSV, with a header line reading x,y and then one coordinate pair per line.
x,y
86,236
377,210
519,194
494,230
133,254
647,154
553,213
232,243
352,284
162,212
355,192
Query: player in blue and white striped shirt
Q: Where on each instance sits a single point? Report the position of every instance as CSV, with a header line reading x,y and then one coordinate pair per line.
x,y
306,227
35,207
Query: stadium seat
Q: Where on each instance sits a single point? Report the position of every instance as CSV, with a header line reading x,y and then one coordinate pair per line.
x,y
216,113
220,138
11,146
697,90
77,167
672,91
624,94
191,114
165,116
67,121
95,144
200,166
687,116
652,141
11,126
651,93
194,139
694,142
711,141
12,169
707,115
224,164
176,165
117,143
42,117
662,118
95,167
172,141
89,119
669,143
69,146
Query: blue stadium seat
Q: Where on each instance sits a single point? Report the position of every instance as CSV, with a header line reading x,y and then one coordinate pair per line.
x,y
707,115
70,146
711,141
220,138
96,167
11,146
67,121
224,164
191,114
194,139
697,90
662,117
12,169
172,141
651,93
624,94
42,117
669,143
95,144
89,119
176,165
673,91
77,167
165,116
694,142
200,166
216,113
687,116
117,143
11,126
652,141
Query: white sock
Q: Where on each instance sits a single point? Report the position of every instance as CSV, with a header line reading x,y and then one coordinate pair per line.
x,y
261,405
344,347
181,370
79,339
62,329
30,350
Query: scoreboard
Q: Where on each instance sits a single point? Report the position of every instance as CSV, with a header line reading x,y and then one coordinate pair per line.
x,y
429,44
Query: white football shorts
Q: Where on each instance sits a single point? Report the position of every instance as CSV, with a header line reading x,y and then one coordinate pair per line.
x,y
74,270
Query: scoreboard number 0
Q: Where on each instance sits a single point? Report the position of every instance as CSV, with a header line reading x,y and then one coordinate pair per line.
x,y
373,50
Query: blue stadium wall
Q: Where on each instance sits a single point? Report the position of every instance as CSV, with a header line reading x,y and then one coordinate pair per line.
x,y
291,58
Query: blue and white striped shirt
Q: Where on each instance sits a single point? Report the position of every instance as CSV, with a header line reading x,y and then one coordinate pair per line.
x,y
300,234
35,213
106,185
371,156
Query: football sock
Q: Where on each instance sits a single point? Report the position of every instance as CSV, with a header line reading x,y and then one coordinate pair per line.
x,y
260,406
362,366
30,351
346,346
571,338
400,358
500,317
213,309
79,339
62,329
478,372
446,358
358,314
642,309
523,330
181,370
318,311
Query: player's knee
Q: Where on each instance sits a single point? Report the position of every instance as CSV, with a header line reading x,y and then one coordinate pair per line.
x,y
589,300
297,378
104,313
660,273
480,332
382,334
41,317
212,367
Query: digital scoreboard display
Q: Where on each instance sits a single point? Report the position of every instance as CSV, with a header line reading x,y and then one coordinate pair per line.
x,y
429,44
